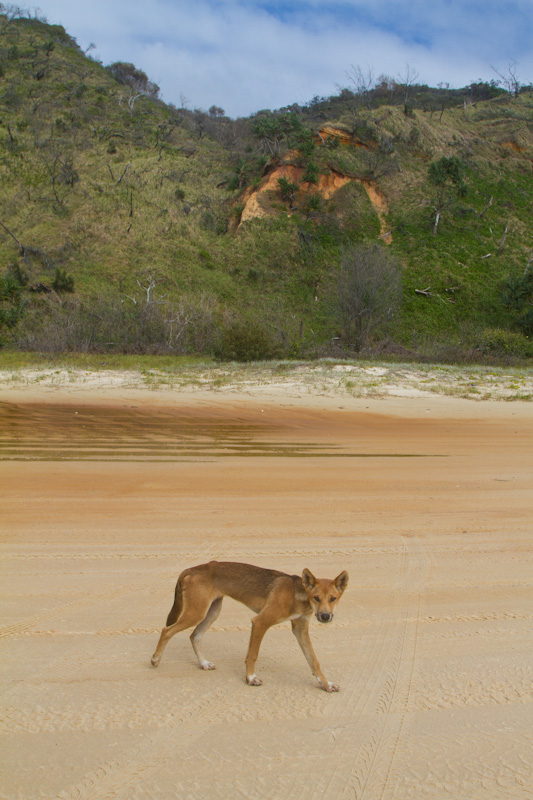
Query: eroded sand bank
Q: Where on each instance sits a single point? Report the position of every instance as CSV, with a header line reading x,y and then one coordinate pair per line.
x,y
427,502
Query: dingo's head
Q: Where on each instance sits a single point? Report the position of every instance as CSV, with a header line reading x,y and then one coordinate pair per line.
x,y
324,594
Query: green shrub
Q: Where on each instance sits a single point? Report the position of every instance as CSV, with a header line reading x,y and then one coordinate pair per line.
x,y
497,341
517,297
246,340
311,174
233,183
205,258
11,304
237,211
287,188
62,282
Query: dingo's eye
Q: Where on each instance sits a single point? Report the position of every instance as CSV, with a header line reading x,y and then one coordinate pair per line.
x,y
332,599
316,598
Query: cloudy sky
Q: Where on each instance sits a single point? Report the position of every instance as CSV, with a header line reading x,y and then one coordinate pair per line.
x,y
246,55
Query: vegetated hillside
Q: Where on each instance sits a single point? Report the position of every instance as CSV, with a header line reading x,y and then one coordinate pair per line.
x,y
127,224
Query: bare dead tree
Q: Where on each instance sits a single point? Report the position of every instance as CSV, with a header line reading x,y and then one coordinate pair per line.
x,y
504,237
362,81
62,172
10,233
9,13
130,100
481,213
407,78
509,80
163,134
126,168
151,284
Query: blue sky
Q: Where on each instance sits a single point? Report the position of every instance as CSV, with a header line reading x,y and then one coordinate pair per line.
x,y
245,55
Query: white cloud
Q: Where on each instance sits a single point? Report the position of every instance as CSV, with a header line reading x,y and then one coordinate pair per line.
x,y
249,54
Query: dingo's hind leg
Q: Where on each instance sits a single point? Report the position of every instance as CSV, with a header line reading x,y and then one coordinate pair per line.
x,y
190,616
198,632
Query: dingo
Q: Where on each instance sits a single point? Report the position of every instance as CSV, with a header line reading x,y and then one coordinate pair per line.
x,y
274,596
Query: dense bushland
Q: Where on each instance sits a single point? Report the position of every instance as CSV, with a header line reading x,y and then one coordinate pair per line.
x,y
125,224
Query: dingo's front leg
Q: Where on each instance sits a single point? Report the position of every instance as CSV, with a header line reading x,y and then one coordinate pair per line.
x,y
300,628
256,637
260,625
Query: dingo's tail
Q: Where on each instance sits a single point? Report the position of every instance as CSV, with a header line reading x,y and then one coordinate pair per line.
x,y
175,611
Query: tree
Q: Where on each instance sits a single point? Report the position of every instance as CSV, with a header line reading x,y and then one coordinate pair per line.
x,y
275,131
445,97
362,81
311,174
287,189
127,74
446,175
367,293
9,13
359,96
509,80
483,90
61,169
386,87
407,79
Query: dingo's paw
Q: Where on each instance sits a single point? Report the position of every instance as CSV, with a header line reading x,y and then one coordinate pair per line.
x,y
328,686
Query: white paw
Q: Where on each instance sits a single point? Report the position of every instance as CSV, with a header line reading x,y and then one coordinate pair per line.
x,y
253,680
155,661
207,665
328,686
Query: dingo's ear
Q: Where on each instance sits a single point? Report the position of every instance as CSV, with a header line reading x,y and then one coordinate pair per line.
x,y
341,581
308,579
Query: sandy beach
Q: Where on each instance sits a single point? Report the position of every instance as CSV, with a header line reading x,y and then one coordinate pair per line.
x,y
110,489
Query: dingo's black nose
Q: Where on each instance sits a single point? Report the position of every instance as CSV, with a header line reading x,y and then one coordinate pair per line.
x,y
324,616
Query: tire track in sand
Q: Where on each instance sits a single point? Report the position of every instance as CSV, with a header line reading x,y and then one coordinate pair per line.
x,y
372,768
380,699
67,609
23,698
86,601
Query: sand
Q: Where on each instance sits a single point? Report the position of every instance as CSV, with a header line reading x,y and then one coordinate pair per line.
x,y
108,493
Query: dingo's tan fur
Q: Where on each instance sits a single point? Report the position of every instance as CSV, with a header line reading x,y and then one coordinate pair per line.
x,y
273,596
